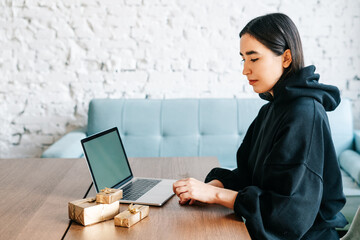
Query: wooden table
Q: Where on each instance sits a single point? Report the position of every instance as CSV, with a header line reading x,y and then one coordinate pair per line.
x,y
35,193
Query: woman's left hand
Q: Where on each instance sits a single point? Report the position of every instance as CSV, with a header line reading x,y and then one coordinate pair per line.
x,y
193,190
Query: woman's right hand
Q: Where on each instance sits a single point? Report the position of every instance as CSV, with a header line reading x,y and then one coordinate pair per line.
x,y
190,190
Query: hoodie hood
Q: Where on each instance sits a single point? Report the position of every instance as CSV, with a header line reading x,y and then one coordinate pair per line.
x,y
304,83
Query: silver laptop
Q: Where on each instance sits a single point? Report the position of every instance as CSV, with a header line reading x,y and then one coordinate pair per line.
x,y
109,167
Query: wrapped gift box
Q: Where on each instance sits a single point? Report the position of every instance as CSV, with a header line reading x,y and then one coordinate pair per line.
x,y
109,195
87,211
134,214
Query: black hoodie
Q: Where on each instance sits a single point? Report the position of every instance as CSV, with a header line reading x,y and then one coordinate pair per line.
x,y
287,176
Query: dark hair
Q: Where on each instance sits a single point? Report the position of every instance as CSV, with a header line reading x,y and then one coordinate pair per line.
x,y
278,33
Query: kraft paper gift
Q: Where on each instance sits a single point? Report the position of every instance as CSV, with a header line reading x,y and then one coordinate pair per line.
x,y
134,214
87,211
109,195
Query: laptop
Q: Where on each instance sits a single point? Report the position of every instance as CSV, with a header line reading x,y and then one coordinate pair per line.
x,y
109,167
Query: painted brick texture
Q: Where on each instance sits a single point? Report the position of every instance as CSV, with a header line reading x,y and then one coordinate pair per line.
x,y
57,55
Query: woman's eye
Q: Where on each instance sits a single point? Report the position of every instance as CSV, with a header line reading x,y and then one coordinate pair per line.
x,y
254,60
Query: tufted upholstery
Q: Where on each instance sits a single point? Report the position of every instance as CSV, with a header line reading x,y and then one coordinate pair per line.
x,y
177,127
186,127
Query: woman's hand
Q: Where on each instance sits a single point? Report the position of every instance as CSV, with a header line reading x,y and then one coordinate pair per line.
x,y
190,190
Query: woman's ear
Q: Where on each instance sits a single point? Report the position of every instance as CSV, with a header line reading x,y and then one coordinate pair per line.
x,y
287,58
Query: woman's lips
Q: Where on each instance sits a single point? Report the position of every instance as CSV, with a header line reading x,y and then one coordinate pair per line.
x,y
251,82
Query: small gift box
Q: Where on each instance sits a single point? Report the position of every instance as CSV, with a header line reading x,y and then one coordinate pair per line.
x,y
134,214
87,211
109,195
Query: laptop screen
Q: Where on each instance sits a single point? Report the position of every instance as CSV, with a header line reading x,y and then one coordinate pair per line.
x,y
106,158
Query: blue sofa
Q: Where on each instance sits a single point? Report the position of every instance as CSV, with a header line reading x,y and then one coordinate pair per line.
x,y
201,127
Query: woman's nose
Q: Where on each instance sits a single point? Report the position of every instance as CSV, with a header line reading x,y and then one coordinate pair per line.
x,y
246,69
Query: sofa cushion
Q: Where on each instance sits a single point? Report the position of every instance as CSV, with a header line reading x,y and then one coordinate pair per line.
x,y
357,140
68,146
350,163
140,118
341,123
104,114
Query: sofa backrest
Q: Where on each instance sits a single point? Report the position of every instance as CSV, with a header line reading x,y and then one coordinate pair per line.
x,y
192,127
176,127
341,124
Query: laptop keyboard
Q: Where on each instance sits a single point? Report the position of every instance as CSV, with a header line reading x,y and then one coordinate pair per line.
x,y
137,188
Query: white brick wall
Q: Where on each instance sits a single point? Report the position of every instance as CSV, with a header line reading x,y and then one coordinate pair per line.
x,y
56,55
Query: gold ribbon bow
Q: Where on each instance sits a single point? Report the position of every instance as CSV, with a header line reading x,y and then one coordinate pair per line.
x,y
133,209
107,190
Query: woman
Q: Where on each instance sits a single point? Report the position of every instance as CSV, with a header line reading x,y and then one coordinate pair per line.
x,y
287,184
